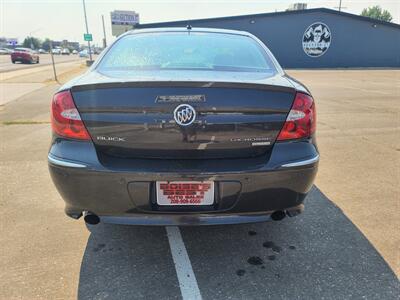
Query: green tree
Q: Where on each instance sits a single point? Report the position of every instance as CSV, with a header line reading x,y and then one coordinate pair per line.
x,y
376,12
46,44
32,42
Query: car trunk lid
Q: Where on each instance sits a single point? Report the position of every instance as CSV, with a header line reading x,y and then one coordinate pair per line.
x,y
135,118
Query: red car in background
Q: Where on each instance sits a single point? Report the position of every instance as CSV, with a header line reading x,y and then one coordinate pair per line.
x,y
24,55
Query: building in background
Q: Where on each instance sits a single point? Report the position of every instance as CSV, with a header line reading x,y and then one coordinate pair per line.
x,y
3,42
314,38
297,6
67,44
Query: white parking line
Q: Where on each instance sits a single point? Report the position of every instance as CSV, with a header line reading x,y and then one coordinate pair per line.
x,y
187,279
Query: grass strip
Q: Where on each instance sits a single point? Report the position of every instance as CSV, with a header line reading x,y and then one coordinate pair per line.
x,y
25,122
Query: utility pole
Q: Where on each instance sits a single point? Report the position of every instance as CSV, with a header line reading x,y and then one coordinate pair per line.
x,y
87,30
104,32
52,60
340,7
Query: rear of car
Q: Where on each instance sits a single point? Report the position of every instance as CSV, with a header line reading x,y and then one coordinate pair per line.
x,y
184,127
24,55
5,51
84,53
56,51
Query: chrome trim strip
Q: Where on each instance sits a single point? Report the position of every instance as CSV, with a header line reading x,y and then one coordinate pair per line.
x,y
186,220
302,162
63,163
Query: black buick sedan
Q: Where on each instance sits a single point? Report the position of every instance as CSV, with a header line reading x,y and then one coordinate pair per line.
x,y
183,126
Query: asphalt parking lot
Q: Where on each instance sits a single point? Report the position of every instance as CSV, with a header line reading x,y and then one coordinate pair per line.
x,y
345,245
310,257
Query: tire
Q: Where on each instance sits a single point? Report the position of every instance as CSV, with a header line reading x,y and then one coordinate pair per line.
x,y
37,60
13,61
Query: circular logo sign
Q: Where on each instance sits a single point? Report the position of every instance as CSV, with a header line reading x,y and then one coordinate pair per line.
x,y
316,39
184,114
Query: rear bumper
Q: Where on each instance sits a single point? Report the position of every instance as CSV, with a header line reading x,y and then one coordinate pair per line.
x,y
21,57
248,190
197,219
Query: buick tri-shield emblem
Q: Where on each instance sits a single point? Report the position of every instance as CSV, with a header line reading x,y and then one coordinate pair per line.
x,y
184,114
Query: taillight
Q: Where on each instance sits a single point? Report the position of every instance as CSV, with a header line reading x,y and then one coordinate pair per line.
x,y
65,118
301,121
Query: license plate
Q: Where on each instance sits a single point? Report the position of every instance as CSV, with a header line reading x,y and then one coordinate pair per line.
x,y
185,192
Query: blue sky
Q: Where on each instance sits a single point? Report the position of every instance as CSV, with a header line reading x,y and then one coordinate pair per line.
x,y
63,19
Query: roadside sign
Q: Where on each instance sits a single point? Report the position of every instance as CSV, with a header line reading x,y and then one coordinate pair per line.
x,y
87,37
124,17
12,42
123,21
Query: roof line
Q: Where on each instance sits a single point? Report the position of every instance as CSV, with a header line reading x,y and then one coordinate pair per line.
x,y
322,9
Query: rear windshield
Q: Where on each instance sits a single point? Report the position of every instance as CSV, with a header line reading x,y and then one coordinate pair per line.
x,y
182,50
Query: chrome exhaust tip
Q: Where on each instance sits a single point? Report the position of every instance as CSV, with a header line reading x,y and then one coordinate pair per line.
x,y
278,215
91,218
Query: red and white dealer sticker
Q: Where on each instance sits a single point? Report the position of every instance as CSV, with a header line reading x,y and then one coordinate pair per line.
x,y
185,192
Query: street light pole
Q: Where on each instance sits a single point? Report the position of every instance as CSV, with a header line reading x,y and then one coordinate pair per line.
x,y
340,5
87,29
104,32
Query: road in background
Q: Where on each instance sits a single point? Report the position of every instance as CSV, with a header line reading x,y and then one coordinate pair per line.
x,y
17,83
45,59
319,254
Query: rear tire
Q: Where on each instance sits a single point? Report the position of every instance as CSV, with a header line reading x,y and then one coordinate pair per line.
x,y
13,61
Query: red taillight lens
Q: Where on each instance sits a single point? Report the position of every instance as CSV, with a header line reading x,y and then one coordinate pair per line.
x,y
65,118
301,121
